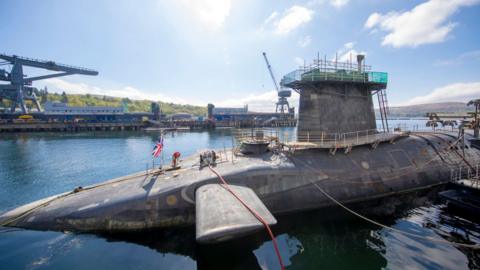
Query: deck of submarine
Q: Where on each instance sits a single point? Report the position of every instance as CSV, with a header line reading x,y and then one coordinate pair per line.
x,y
114,196
133,193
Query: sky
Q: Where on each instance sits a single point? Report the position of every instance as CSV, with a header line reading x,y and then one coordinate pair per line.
x,y
207,51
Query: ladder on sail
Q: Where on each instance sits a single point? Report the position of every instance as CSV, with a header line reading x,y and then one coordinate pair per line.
x,y
384,109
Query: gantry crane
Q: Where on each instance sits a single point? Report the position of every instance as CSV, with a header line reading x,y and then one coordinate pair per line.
x,y
20,87
283,93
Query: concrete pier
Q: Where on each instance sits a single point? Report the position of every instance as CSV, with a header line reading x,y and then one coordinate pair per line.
x,y
70,126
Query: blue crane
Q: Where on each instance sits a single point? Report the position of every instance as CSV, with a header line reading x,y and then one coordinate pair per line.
x,y
282,105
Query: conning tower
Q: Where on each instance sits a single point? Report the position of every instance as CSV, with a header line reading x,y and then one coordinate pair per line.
x,y
336,97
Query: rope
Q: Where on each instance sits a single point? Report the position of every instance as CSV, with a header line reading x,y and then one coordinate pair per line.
x,y
455,150
388,228
257,216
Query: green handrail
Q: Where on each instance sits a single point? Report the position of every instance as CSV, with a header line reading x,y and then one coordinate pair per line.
x,y
337,75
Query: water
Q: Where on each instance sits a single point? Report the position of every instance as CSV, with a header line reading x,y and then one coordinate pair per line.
x,y
33,166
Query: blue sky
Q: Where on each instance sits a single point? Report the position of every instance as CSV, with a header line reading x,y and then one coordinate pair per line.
x,y
201,51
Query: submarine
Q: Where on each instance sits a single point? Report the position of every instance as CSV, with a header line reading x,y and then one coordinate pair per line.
x,y
339,151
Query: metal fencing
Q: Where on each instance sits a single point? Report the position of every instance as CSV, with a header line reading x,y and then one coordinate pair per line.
x,y
466,173
323,139
306,74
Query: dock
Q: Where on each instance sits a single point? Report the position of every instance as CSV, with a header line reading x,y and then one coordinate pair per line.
x,y
70,126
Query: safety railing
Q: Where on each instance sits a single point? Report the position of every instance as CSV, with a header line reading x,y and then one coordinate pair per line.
x,y
343,140
38,60
469,173
328,140
255,134
305,75
313,138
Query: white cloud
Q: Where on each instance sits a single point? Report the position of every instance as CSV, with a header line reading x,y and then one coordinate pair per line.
x,y
271,17
426,23
373,20
290,20
304,42
338,3
464,57
59,85
210,13
335,3
293,18
349,45
299,61
347,52
461,92
350,56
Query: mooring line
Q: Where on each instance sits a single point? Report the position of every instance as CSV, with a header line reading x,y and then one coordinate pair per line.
x,y
431,239
454,150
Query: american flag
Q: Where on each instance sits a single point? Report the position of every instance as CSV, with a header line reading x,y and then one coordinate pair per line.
x,y
157,149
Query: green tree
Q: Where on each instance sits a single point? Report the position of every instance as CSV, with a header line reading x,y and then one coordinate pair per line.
x,y
64,97
44,95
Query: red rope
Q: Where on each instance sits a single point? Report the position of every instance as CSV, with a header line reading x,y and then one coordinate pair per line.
x,y
257,216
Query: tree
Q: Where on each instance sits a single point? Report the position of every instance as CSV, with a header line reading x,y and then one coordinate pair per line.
x,y
44,95
64,97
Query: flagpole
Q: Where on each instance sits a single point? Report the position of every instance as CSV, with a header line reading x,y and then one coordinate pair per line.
x,y
163,147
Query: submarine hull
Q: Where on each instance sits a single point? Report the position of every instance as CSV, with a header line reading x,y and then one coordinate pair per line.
x,y
285,181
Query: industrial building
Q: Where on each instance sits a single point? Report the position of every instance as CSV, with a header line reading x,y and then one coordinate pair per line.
x,y
63,109
242,114
227,110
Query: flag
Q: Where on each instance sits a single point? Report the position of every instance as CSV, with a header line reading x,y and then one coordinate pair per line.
x,y
157,149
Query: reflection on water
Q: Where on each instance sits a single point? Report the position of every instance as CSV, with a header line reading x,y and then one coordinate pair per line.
x,y
37,165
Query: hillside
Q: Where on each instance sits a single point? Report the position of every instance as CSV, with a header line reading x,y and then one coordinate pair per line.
x,y
132,105
421,109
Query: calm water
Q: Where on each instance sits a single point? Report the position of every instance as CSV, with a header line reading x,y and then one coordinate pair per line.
x,y
33,166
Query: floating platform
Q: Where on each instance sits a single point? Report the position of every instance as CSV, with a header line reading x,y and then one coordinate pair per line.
x,y
464,195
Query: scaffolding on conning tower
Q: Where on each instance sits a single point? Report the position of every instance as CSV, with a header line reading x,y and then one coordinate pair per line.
x,y
322,72
325,70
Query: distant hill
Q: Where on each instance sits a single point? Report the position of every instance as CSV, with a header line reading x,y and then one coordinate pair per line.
x,y
132,105
421,109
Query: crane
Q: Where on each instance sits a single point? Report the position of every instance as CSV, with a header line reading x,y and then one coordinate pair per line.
x,y
282,105
20,87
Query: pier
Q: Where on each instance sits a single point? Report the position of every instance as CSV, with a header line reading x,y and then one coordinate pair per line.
x,y
70,126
